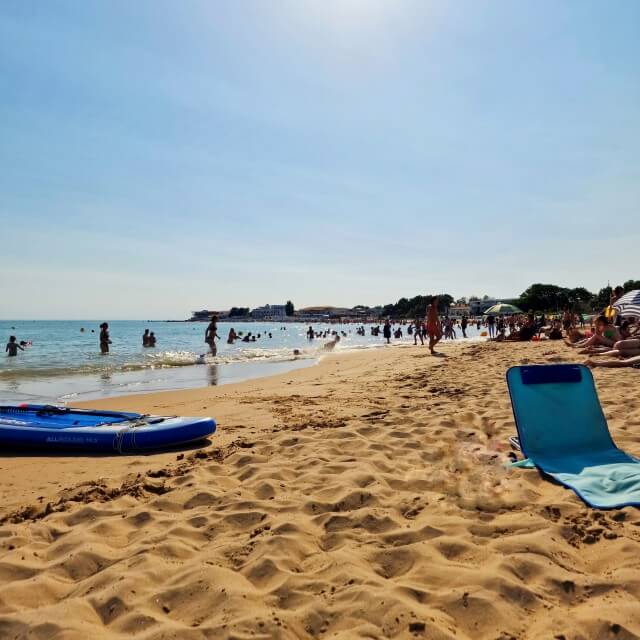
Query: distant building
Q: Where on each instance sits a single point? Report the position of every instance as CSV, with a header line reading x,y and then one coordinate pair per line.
x,y
459,310
205,315
270,312
478,307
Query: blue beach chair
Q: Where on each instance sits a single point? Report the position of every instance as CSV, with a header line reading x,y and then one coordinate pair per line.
x,y
562,430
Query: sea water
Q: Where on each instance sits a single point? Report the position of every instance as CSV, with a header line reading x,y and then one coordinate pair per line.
x,y
62,362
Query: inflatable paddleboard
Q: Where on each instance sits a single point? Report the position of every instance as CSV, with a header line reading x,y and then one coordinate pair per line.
x,y
47,426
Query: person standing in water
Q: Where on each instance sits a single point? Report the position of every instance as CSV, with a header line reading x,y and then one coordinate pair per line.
x,y
386,331
211,334
104,338
12,347
145,338
434,326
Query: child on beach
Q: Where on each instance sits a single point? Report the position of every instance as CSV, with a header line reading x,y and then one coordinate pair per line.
x,y
12,347
418,332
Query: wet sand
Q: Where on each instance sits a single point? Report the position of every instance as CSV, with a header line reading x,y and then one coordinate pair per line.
x,y
362,497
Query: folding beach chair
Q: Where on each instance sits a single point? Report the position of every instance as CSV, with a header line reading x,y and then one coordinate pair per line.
x,y
562,430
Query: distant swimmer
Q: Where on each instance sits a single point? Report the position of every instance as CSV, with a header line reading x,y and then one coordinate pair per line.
x,y
145,338
12,347
310,333
211,334
104,338
152,339
232,337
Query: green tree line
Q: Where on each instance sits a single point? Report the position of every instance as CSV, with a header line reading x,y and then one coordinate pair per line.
x,y
550,297
416,307
538,297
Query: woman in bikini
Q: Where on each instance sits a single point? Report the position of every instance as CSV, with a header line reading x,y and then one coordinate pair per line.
x,y
434,326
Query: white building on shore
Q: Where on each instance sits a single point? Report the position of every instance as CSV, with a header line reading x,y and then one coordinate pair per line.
x,y
478,307
458,310
270,312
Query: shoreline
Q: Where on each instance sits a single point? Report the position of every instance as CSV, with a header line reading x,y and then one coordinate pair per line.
x,y
36,387
364,496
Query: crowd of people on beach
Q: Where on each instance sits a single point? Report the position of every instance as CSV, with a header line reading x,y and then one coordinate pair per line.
x,y
610,339
612,336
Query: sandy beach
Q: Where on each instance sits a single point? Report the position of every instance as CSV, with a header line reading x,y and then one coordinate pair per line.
x,y
365,497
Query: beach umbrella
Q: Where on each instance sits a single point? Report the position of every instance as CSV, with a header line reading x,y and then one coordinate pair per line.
x,y
628,304
502,309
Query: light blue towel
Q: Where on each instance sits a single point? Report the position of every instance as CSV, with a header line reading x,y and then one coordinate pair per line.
x,y
563,431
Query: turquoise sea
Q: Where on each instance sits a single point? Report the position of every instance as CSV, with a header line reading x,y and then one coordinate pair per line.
x,y
62,362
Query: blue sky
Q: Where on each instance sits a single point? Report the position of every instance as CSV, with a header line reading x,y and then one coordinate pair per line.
x,y
158,157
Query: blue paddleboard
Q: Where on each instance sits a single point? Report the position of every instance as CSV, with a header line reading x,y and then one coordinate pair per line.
x,y
46,426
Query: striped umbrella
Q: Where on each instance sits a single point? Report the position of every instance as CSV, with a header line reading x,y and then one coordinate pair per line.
x,y
502,308
629,304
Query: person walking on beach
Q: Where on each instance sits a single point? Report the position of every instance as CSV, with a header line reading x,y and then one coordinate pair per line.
x,y
386,332
434,326
418,332
104,338
463,326
211,334
12,347
491,325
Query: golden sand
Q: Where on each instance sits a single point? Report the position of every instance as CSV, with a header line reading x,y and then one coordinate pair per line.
x,y
363,497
